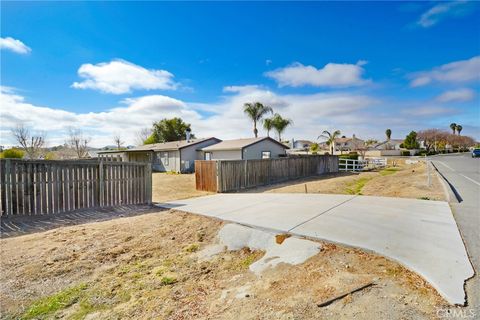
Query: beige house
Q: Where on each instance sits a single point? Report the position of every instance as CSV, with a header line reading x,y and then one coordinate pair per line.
x,y
245,149
176,156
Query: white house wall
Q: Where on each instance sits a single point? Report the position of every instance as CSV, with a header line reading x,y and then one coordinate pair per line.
x,y
255,150
226,155
190,154
159,164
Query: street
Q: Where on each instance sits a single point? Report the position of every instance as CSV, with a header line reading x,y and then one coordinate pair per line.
x,y
463,173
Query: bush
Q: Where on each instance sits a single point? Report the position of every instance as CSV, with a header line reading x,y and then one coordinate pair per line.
x,y
352,156
421,153
405,153
13,154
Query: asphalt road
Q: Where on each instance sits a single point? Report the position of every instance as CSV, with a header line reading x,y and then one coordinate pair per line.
x,y
463,173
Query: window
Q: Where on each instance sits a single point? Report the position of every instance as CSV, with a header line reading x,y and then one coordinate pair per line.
x,y
208,156
265,154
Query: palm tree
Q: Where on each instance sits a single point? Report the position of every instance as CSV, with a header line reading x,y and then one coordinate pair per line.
x,y
255,111
268,125
459,128
280,124
330,138
453,126
388,133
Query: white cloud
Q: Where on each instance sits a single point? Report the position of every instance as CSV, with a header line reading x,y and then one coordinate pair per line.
x,y
14,45
458,95
312,113
444,10
119,76
331,75
454,72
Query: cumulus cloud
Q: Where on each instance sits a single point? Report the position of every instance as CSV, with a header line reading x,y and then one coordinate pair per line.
x,y
453,72
14,45
443,11
458,95
119,77
331,75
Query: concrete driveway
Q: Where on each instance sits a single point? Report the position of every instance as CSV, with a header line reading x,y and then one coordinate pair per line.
x,y
422,235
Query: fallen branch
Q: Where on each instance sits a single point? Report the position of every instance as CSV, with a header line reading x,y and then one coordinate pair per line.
x,y
344,294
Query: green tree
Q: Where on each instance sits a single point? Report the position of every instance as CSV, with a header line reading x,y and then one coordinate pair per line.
x,y
314,148
256,111
330,138
453,126
167,130
410,141
459,128
388,133
12,153
280,124
268,125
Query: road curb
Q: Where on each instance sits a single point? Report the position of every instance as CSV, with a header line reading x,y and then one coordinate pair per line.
x,y
450,192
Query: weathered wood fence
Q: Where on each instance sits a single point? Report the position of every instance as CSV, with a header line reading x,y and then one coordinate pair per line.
x,y
33,187
234,175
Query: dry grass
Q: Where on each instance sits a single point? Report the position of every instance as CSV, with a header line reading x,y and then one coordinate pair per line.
x,y
403,181
145,267
170,186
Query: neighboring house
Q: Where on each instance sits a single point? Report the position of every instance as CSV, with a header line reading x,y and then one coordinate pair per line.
x,y
245,149
392,144
302,144
177,156
345,144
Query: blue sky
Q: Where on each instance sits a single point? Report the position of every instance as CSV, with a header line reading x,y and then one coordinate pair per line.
x,y
115,67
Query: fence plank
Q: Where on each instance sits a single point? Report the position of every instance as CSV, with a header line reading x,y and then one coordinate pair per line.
x,y
47,187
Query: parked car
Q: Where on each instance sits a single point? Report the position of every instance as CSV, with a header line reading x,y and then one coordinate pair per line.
x,y
475,153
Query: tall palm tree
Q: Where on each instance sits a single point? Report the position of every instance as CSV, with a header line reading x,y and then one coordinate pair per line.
x,y
280,124
388,133
459,129
256,111
330,138
453,126
268,125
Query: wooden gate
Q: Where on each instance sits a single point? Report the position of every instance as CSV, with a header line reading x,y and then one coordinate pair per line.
x,y
206,175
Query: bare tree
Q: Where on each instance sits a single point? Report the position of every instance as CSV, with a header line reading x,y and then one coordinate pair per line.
x,y
78,142
31,144
143,135
432,137
118,141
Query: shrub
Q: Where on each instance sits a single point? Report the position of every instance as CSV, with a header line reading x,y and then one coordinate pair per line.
x,y
405,153
352,156
13,153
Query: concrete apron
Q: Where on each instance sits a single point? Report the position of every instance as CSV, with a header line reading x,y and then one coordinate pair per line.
x,y
421,235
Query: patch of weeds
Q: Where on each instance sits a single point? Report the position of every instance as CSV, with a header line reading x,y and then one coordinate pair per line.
x,y
159,271
168,280
356,186
192,248
394,271
246,259
49,305
388,171
424,198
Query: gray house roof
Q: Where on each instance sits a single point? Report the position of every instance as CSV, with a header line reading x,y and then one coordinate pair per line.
x,y
239,144
172,145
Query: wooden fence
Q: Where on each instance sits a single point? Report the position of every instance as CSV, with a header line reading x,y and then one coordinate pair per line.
x,y
33,187
234,175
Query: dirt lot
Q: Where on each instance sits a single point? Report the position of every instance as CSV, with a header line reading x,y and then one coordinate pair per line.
x,y
403,181
168,186
145,267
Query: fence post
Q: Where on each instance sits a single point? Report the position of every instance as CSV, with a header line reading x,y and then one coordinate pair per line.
x,y
218,174
101,183
148,182
8,188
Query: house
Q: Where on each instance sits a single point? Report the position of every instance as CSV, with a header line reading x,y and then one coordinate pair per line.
x,y
245,149
392,144
302,144
345,144
177,156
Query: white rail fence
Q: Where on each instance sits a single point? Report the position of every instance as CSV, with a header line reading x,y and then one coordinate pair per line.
x,y
361,165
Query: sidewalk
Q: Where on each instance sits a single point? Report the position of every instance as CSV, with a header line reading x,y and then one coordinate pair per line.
x,y
422,235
